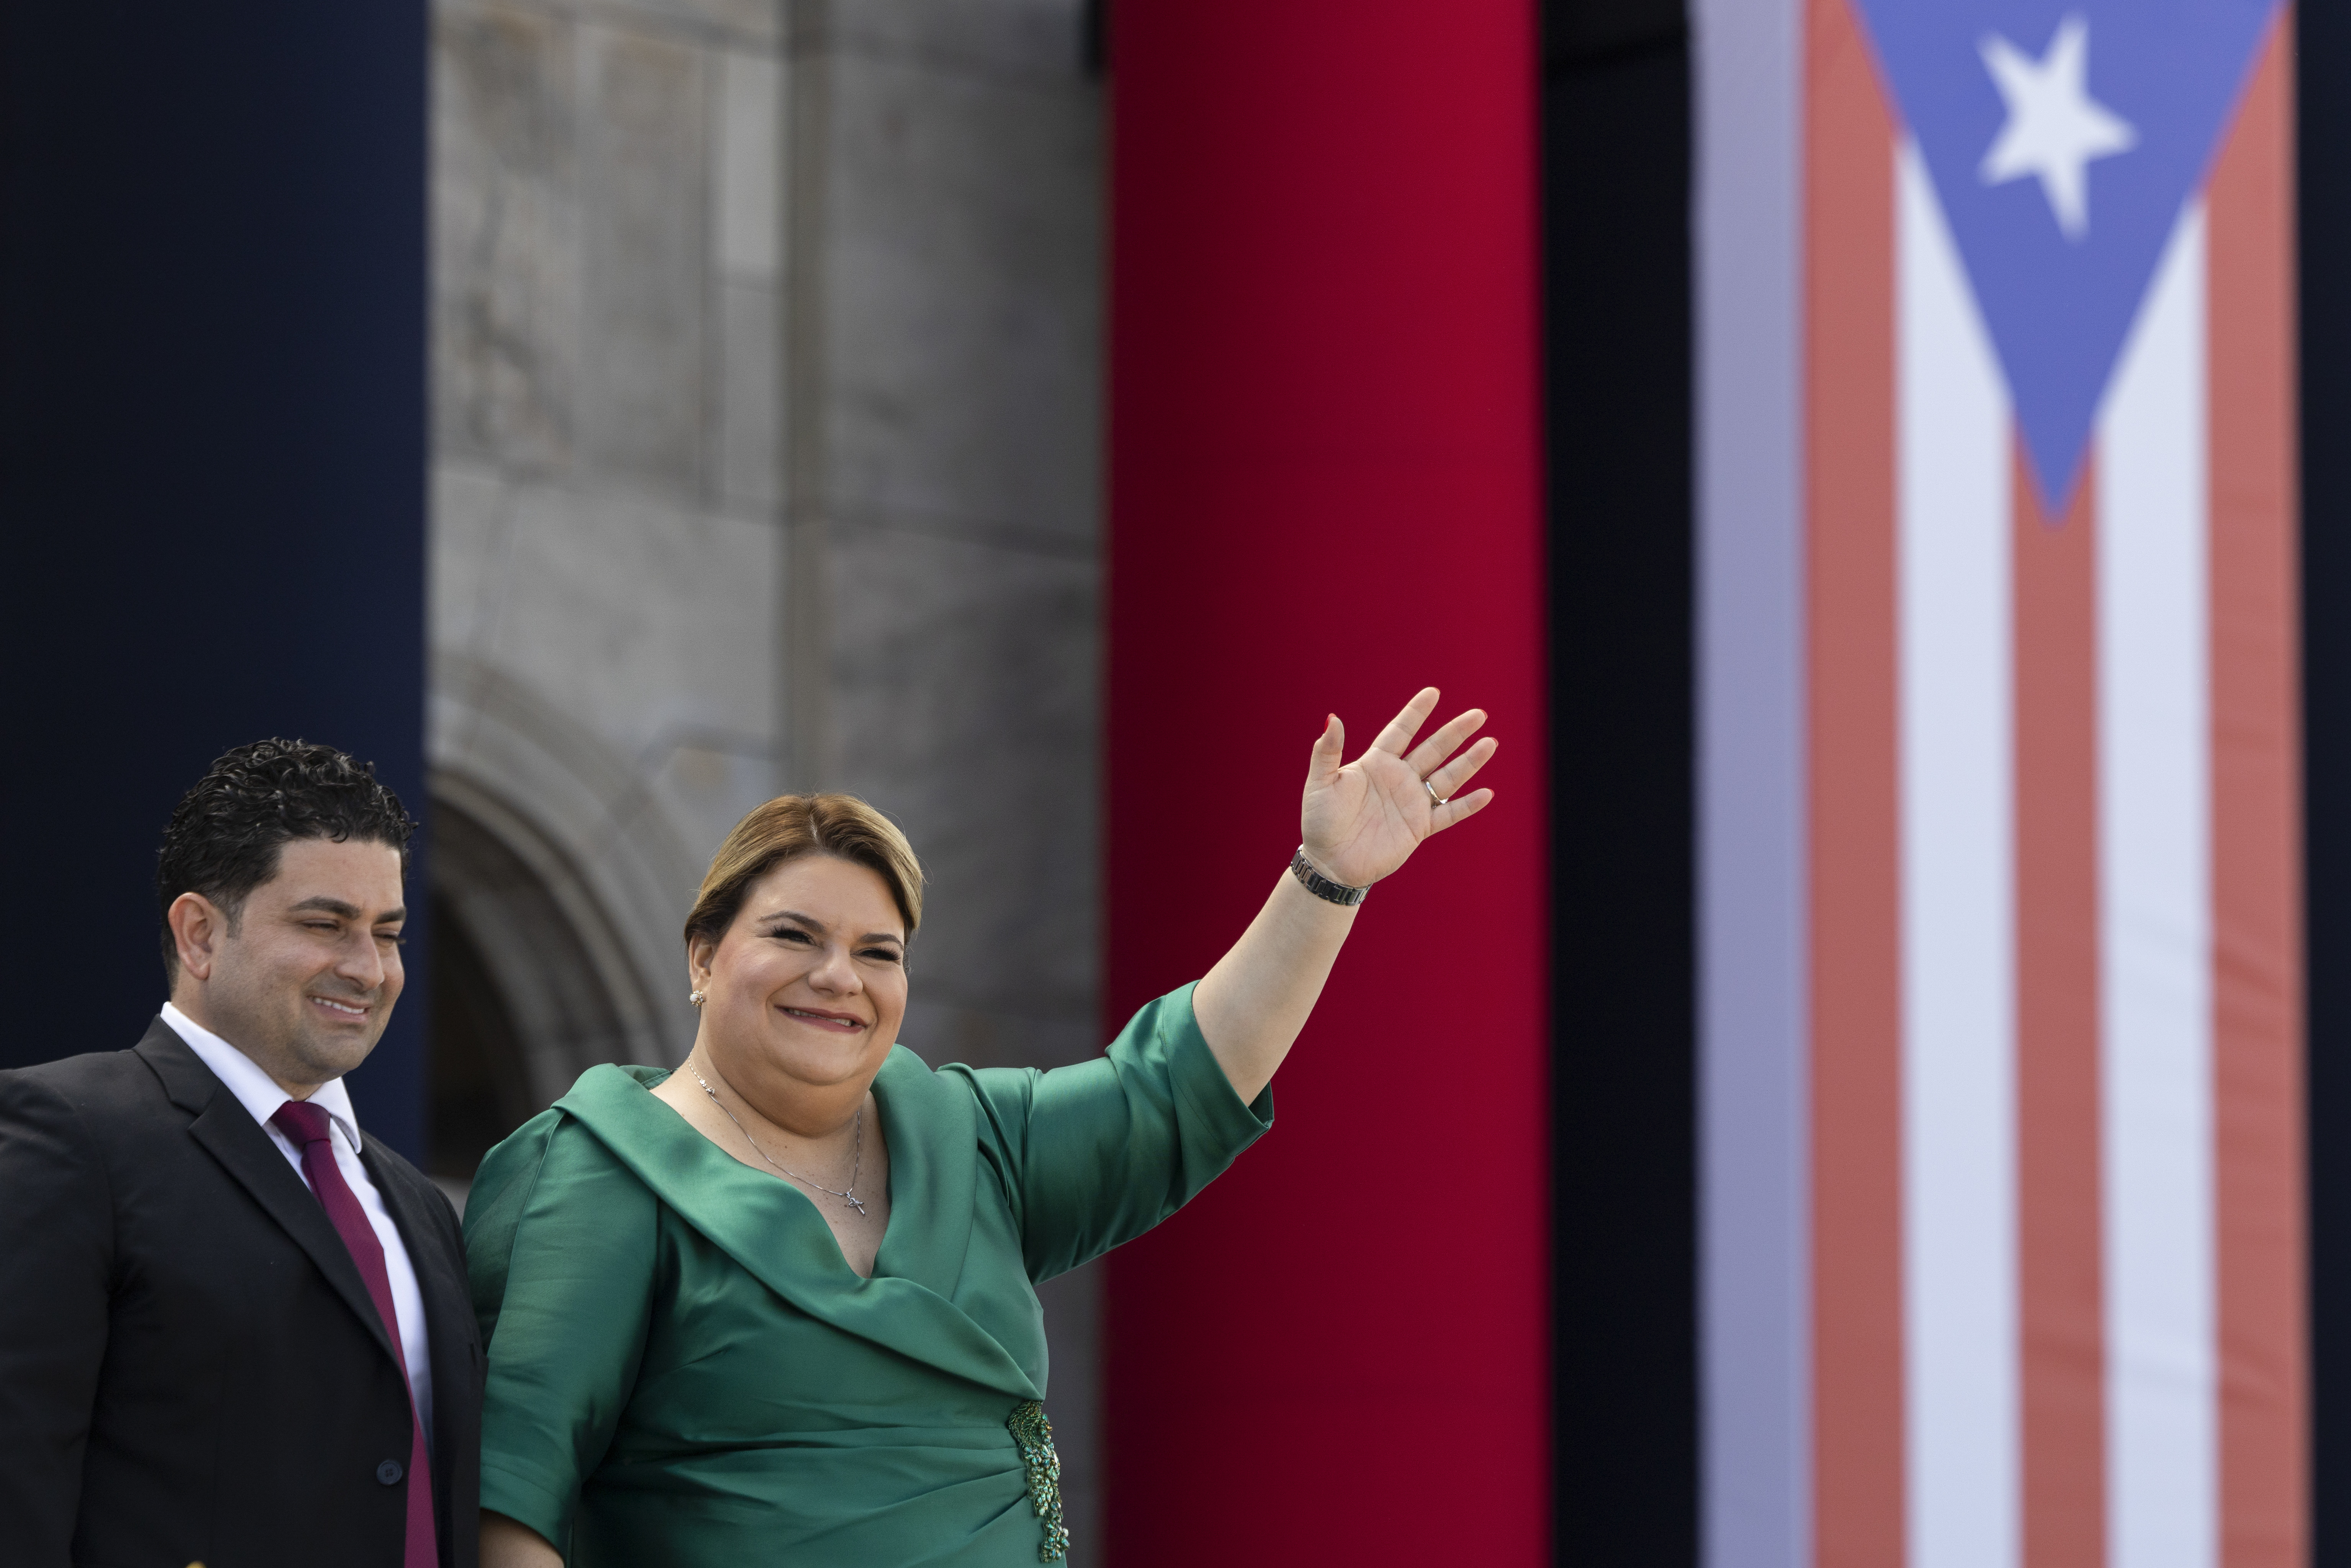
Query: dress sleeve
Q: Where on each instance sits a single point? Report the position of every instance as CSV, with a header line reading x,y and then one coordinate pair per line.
x,y
560,1243
1098,1153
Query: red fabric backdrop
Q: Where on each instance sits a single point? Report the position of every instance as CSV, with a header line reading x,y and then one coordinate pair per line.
x,y
1325,491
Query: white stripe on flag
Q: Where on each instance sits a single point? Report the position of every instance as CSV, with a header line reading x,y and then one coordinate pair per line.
x,y
1959,1006
2155,903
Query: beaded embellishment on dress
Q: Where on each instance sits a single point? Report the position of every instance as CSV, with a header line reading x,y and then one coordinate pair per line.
x,y
1033,1435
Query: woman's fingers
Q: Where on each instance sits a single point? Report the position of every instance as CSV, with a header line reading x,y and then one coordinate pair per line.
x,y
1447,780
1406,725
1460,806
1429,753
1330,750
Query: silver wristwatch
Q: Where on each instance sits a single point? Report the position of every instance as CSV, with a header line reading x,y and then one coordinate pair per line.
x,y
1321,887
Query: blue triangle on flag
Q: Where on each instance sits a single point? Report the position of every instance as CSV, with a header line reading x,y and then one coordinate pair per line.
x,y
2063,137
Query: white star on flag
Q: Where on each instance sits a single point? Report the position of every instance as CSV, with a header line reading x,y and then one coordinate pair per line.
x,y
2055,127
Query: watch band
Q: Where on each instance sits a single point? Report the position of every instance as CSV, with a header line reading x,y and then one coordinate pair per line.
x,y
1321,887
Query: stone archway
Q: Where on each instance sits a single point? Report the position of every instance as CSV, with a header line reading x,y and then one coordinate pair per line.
x,y
532,985
476,1083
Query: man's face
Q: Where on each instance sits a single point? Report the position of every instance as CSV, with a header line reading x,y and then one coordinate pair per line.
x,y
306,983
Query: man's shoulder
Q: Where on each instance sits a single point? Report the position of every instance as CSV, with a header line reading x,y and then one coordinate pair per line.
x,y
96,1081
158,1079
104,1105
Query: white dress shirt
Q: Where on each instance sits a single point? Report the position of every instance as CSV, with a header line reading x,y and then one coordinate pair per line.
x,y
259,1094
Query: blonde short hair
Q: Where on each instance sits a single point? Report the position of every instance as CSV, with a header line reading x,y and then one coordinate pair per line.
x,y
790,827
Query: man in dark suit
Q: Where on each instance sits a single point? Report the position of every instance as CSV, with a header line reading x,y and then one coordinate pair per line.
x,y
234,1329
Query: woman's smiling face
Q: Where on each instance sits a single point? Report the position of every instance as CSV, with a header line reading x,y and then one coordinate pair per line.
x,y
809,985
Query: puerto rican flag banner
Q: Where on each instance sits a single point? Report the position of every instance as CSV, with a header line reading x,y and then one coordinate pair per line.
x,y
2003,1235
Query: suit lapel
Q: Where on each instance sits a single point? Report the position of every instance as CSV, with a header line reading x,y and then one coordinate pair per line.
x,y
230,1135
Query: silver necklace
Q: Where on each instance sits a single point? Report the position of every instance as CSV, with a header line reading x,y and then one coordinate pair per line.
x,y
857,1148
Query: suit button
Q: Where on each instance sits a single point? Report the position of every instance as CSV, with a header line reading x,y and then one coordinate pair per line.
x,y
389,1472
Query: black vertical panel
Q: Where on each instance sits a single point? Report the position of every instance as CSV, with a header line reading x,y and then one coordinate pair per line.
x,y
1616,122
2325,157
212,458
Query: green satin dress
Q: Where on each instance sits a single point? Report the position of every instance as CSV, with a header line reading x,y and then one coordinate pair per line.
x,y
684,1371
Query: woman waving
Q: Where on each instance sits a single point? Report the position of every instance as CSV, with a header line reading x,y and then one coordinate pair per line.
x,y
778,1305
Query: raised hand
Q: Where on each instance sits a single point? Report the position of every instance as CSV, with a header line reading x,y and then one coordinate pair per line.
x,y
1362,820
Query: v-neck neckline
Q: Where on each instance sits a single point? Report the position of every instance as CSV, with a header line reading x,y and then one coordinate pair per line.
x,y
908,1302
773,1173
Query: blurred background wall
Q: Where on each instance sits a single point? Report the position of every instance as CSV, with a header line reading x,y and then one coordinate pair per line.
x,y
766,430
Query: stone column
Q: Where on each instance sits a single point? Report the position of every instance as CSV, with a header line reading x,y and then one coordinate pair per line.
x,y
766,345
607,544
944,565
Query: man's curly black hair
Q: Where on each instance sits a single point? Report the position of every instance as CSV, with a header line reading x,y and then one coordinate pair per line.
x,y
225,834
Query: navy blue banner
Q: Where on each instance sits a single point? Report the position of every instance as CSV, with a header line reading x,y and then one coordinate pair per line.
x,y
212,461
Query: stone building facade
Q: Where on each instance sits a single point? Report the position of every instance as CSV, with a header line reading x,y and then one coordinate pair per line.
x,y
765,371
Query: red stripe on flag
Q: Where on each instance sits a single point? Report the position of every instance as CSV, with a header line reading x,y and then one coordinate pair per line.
x,y
2257,1027
2059,1240
1857,1194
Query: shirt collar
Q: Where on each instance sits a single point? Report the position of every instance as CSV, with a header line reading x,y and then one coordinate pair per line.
x,y
256,1089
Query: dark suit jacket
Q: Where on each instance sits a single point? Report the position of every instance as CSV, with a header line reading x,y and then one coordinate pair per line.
x,y
191,1367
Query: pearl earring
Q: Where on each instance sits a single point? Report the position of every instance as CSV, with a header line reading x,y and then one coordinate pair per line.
x,y
695,997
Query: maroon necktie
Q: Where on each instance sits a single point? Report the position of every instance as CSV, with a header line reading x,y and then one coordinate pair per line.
x,y
309,1127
